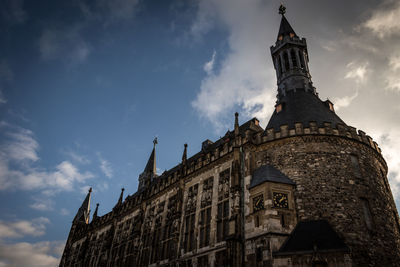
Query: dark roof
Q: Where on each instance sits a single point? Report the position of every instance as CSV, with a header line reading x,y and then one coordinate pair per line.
x,y
301,106
268,173
150,163
285,28
309,236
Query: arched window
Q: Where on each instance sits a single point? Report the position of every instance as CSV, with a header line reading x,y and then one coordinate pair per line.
x,y
279,65
286,60
294,58
301,59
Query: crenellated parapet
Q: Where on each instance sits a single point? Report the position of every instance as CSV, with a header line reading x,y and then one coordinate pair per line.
x,y
313,129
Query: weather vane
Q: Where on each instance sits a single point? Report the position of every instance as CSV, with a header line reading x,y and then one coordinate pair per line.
x,y
282,9
155,141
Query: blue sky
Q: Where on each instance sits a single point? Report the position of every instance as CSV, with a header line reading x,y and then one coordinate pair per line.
x,y
85,86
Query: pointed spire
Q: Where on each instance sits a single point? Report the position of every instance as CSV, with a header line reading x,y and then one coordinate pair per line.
x,y
151,163
236,124
285,29
96,211
121,196
184,156
84,211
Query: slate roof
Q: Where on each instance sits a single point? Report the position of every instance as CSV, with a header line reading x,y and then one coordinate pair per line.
x,y
150,163
285,28
311,236
268,173
301,106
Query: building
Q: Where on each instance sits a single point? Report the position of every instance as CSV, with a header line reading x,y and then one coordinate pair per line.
x,y
308,190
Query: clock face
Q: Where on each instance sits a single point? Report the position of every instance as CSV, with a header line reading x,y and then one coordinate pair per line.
x,y
258,203
280,200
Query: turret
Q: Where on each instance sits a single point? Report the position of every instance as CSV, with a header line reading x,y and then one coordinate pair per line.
x,y
297,98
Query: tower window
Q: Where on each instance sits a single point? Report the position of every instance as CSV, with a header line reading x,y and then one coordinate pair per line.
x,y
356,165
286,60
294,58
301,59
367,213
278,65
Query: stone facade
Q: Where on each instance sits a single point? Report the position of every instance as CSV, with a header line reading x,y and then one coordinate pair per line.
x,y
301,193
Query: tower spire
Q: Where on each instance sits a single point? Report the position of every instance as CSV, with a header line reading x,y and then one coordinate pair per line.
x,y
184,156
83,213
150,171
297,99
96,211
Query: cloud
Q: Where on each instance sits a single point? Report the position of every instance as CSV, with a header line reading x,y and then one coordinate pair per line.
x,y
357,71
384,22
209,66
244,82
43,203
342,102
105,167
6,76
65,43
78,158
64,212
22,228
40,254
18,153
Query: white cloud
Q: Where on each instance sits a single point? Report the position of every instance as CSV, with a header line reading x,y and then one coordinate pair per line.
x,y
64,212
244,82
18,152
42,203
394,62
77,157
384,22
209,66
345,101
105,167
40,254
357,71
22,228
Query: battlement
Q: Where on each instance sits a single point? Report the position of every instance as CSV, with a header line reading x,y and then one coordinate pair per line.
x,y
313,129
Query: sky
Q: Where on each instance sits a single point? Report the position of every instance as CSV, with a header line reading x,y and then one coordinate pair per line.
x,y
85,87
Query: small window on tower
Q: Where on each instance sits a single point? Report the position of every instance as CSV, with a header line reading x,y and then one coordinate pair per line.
x,y
331,107
280,37
278,108
291,35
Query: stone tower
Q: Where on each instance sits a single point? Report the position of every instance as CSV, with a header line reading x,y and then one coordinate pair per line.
x,y
340,175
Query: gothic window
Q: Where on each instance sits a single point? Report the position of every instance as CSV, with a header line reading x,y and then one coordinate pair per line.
x,y
223,205
223,220
190,239
356,165
283,221
205,213
286,60
367,213
301,59
278,65
171,226
294,58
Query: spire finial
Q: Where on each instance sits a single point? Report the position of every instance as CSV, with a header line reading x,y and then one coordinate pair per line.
x,y
90,190
155,141
282,9
184,156
236,124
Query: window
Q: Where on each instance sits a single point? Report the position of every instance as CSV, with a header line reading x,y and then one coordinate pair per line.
x,y
356,165
367,213
190,239
294,58
286,60
205,213
221,259
283,221
301,59
223,220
